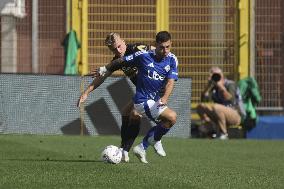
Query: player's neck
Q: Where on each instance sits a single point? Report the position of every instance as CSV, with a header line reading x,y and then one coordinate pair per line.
x,y
159,58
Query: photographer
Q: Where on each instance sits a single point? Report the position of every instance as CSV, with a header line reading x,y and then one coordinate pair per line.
x,y
220,103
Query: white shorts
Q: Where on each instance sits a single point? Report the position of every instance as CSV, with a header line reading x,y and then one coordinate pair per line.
x,y
151,109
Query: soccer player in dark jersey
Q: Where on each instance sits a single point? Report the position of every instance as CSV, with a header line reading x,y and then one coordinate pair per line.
x,y
130,127
156,69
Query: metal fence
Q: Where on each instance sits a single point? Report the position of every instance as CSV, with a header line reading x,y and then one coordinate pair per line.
x,y
269,68
204,33
135,21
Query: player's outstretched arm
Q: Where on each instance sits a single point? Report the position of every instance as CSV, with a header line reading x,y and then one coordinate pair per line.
x,y
111,67
95,84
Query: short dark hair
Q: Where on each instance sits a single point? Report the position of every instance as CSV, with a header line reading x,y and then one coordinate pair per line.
x,y
163,36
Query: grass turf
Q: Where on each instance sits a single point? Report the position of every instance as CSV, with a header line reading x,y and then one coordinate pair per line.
x,y
29,161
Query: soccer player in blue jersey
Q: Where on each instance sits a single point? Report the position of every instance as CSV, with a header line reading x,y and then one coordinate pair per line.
x,y
156,69
130,127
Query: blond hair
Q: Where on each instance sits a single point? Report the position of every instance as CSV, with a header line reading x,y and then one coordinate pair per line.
x,y
111,38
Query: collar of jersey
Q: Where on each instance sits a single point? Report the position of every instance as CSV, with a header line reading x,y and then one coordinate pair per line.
x,y
154,52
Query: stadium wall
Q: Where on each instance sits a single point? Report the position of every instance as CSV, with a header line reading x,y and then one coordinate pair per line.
x,y
46,105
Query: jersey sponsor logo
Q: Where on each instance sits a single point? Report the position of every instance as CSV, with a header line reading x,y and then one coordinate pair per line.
x,y
155,76
128,58
151,65
139,52
167,68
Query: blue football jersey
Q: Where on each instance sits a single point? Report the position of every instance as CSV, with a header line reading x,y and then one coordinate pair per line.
x,y
152,74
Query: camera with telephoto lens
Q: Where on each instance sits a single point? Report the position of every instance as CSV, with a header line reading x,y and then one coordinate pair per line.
x,y
216,77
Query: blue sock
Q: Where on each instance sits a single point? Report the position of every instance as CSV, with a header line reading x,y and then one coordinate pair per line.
x,y
149,134
160,131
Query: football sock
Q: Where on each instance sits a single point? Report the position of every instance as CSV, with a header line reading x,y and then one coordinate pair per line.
x,y
157,132
149,134
123,130
132,132
160,131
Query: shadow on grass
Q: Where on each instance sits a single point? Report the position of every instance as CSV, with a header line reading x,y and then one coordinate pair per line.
x,y
53,160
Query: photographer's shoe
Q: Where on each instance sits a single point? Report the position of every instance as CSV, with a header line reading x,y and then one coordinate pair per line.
x,y
224,136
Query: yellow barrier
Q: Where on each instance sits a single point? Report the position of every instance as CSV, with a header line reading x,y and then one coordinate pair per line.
x,y
244,38
162,15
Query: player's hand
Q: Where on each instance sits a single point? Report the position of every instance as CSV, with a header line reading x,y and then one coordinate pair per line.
x,y
101,71
163,102
82,99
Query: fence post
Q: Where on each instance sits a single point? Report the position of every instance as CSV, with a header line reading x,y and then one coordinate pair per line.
x,y
244,38
252,38
162,15
84,46
76,25
35,63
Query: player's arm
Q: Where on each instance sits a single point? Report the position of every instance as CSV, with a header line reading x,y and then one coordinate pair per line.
x,y
109,68
171,78
168,91
118,63
115,64
95,84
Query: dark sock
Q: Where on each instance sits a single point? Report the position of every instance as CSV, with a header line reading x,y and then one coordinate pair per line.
x,y
160,131
123,130
131,134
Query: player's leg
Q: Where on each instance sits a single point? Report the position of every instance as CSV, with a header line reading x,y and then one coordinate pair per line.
x,y
125,121
154,111
132,130
129,130
167,119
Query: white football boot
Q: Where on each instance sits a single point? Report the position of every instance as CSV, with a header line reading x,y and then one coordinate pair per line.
x,y
159,148
140,153
125,157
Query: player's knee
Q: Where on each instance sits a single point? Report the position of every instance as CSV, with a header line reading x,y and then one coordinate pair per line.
x,y
172,117
135,119
125,112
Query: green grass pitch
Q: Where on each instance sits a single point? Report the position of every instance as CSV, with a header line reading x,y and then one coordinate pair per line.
x,y
30,161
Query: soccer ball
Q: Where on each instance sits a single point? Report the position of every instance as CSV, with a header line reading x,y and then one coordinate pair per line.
x,y
112,154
